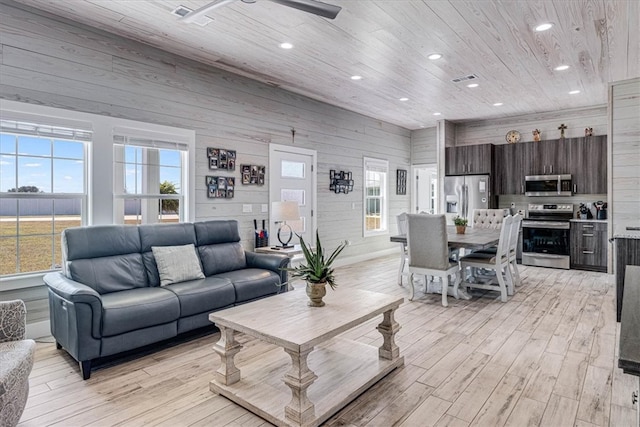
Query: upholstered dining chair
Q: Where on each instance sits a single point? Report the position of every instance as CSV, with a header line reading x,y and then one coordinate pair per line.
x,y
488,218
401,221
428,252
499,262
513,248
16,361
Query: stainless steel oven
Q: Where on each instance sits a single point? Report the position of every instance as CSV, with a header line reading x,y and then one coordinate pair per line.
x,y
547,185
545,235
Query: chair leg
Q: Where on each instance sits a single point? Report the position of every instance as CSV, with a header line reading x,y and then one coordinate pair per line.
x,y
445,287
411,288
509,279
503,286
516,273
456,284
85,369
401,269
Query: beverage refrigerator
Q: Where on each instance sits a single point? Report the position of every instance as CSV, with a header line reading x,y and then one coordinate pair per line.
x,y
465,193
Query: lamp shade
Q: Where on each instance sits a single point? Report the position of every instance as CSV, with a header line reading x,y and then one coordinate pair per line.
x,y
284,211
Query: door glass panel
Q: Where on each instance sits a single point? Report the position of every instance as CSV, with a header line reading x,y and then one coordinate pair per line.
x,y
292,169
289,194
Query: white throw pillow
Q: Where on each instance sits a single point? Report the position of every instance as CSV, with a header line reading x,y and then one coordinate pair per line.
x,y
177,263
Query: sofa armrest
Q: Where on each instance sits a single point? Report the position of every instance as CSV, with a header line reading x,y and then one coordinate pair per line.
x,y
13,320
72,295
274,262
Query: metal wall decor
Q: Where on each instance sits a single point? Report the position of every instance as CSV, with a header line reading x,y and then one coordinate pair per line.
x,y
220,187
220,158
252,174
340,181
401,181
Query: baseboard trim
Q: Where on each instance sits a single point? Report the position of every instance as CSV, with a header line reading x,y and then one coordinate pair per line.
x,y
38,329
340,262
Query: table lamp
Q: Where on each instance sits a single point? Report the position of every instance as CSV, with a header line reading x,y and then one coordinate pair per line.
x,y
281,212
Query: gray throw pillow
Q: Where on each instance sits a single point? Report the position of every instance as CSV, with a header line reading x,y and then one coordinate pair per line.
x,y
177,263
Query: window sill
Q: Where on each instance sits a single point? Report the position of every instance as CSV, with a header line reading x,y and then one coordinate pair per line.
x,y
22,281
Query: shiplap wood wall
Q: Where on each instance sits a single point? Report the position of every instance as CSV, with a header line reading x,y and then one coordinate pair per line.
x,y
51,61
424,146
624,169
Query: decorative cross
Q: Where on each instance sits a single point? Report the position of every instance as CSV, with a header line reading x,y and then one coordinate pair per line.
x,y
562,127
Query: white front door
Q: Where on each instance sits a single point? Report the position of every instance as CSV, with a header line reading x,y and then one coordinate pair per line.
x,y
292,177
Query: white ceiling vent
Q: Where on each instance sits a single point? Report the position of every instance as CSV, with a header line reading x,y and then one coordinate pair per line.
x,y
465,78
182,11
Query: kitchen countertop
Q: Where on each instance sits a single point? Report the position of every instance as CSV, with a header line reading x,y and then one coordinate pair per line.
x,y
588,220
629,358
627,235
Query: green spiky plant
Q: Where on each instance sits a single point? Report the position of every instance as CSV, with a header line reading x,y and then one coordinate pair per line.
x,y
316,268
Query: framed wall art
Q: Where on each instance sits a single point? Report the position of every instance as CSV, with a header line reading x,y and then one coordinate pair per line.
x,y
220,187
221,158
401,181
252,174
340,181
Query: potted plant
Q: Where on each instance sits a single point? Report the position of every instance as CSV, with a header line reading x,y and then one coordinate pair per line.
x,y
316,270
460,223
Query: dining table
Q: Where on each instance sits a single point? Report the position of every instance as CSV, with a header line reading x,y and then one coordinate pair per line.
x,y
472,239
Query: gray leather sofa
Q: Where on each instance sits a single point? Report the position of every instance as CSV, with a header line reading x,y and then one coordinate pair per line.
x,y
108,297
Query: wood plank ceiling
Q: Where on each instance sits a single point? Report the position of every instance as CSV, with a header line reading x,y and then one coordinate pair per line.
x,y
387,43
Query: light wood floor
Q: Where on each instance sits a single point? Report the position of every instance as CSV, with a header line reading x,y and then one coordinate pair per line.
x,y
547,357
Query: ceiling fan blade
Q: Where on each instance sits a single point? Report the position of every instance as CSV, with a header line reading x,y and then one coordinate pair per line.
x,y
311,6
193,15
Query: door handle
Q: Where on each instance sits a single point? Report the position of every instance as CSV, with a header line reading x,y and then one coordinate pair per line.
x,y
550,168
587,252
587,235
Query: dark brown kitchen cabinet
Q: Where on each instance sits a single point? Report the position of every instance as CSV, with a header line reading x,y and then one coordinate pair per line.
x,y
548,157
589,245
469,160
589,164
509,165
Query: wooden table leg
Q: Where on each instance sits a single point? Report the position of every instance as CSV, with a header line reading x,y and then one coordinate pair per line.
x,y
300,410
388,328
227,347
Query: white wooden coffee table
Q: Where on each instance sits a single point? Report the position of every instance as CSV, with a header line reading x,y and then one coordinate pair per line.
x,y
319,371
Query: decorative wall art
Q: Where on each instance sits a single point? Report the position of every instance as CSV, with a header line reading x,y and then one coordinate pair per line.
x,y
588,131
401,182
252,174
220,187
340,181
220,158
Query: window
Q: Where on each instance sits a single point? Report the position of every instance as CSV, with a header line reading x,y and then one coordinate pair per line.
x,y
43,190
148,180
376,172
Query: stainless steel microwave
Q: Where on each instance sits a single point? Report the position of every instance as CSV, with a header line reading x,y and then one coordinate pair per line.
x,y
547,185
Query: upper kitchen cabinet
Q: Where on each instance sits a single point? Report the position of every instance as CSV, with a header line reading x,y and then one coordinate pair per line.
x,y
509,161
547,157
588,165
469,160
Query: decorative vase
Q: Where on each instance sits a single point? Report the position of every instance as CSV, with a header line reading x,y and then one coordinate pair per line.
x,y
315,292
460,229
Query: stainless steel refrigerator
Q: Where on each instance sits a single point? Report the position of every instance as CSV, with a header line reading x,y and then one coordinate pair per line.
x,y
465,193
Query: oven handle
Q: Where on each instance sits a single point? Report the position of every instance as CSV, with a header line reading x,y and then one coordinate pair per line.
x,y
546,224
548,256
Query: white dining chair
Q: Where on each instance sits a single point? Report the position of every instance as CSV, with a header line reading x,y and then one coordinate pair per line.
x,y
488,218
498,262
513,248
428,252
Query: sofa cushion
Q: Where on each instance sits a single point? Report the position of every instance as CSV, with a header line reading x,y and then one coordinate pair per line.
x,y
99,241
162,235
138,308
205,295
177,263
219,231
110,274
252,283
221,258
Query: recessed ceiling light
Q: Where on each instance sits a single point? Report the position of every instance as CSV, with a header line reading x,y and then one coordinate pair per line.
x,y
543,27
437,114
497,104
434,56
561,67
473,85
286,45
422,126
404,99
356,77
574,92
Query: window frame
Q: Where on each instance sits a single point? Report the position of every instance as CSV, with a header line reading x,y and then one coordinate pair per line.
x,y
382,166
99,164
